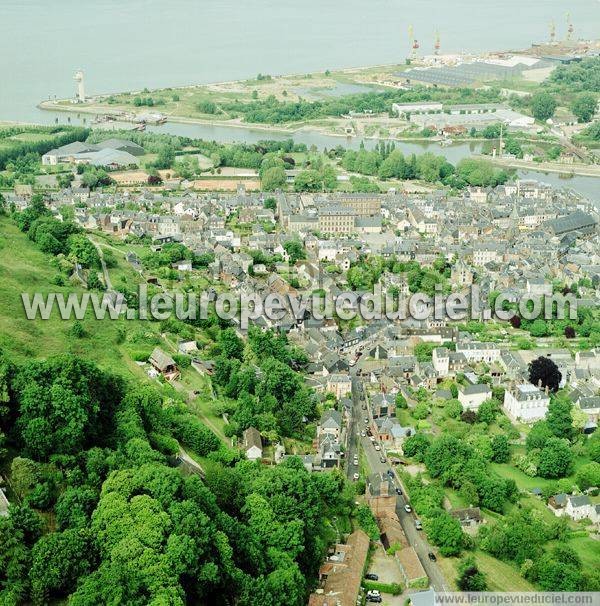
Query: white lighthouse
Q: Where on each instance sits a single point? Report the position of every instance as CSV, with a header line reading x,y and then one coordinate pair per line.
x,y
78,77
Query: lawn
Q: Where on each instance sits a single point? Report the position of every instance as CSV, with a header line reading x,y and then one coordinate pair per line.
x,y
588,550
24,268
523,481
500,576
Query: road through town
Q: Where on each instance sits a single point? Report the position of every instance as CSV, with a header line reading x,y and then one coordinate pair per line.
x,y
373,458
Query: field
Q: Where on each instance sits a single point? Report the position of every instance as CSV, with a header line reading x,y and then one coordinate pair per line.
x,y
24,268
499,575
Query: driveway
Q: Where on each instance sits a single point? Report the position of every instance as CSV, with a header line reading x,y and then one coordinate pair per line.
x,y
385,566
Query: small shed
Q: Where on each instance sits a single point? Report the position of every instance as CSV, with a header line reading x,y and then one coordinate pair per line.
x,y
164,364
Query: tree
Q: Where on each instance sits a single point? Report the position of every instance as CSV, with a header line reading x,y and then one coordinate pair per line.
x,y
470,578
588,475
545,372
295,250
584,107
453,408
367,522
423,351
165,158
543,106
537,437
515,321
500,449
401,401
24,474
569,332
231,345
416,446
273,178
469,416
64,403
58,560
487,411
555,459
559,418
420,411
308,180
445,531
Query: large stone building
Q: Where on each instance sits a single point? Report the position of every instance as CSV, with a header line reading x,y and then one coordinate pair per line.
x,y
526,403
336,219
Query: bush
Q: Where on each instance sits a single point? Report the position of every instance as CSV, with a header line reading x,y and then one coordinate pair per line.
x,y
391,588
367,522
164,444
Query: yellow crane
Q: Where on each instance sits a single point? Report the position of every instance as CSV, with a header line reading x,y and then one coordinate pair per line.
x,y
570,28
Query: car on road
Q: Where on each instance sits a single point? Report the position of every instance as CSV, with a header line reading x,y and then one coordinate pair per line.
x,y
390,473
418,525
373,593
363,434
432,557
407,508
355,461
355,477
366,420
398,490
364,407
382,459
377,447
371,576
372,438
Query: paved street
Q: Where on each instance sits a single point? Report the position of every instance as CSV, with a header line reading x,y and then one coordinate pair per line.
x,y
407,520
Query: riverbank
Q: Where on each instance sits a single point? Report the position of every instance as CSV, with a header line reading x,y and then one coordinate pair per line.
x,y
568,170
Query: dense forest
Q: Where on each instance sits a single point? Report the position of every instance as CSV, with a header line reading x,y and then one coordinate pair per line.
x,y
99,513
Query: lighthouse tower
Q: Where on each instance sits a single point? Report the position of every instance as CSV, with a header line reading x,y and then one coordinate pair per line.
x,y
78,77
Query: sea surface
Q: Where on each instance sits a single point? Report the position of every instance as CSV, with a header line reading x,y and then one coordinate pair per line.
x,y
132,44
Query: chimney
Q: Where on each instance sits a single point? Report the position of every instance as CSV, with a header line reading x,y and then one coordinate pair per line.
x,y
547,390
540,383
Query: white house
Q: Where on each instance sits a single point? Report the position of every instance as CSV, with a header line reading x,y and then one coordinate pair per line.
x,y
472,396
578,507
331,423
441,361
252,444
526,403
475,351
339,384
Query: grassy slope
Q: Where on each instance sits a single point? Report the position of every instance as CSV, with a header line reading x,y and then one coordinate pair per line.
x,y
23,268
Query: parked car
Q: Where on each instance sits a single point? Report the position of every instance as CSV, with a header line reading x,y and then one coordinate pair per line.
x,y
373,593
382,459
363,434
431,556
390,473
418,525
377,447
355,462
355,477
374,598
398,490
366,420
371,576
407,508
